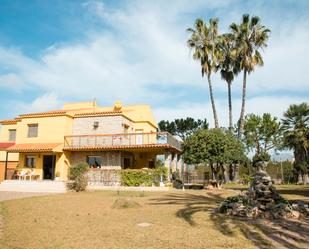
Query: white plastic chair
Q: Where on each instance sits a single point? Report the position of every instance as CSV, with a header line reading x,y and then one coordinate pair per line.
x,y
23,174
33,174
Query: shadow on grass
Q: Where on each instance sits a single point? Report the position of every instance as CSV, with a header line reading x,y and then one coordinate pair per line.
x,y
297,192
263,233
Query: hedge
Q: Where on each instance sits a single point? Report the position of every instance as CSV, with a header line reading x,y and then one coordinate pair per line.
x,y
142,177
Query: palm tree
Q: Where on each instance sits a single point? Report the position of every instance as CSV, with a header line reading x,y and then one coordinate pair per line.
x,y
203,41
228,66
249,38
295,125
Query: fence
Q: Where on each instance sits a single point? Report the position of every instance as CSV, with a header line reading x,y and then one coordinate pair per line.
x,y
281,172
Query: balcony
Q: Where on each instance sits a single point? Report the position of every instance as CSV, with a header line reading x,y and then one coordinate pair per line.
x,y
121,141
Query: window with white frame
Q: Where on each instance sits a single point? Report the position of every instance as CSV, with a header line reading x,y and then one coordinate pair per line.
x,y
33,130
12,135
30,161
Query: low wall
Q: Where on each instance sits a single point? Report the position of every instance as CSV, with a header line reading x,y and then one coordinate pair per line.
x,y
104,177
10,170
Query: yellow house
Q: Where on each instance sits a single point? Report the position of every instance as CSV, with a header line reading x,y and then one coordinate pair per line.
x,y
8,161
46,144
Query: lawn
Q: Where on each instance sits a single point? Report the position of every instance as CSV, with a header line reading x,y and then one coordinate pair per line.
x,y
175,219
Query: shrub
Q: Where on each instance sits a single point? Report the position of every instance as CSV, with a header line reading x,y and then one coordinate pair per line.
x,y
142,177
263,156
245,179
77,177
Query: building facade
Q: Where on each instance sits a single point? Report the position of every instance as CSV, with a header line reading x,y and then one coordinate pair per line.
x,y
46,144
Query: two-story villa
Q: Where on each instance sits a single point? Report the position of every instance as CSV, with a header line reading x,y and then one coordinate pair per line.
x,y
117,137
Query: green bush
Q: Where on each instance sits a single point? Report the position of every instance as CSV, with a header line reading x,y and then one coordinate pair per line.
x,y
246,179
263,156
77,177
142,177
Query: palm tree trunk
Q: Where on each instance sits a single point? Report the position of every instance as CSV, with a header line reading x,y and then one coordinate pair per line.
x,y
230,105
224,168
213,102
243,105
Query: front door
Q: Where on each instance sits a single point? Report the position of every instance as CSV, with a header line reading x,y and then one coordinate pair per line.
x,y
49,167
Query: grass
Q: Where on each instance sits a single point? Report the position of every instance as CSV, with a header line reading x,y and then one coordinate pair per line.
x,y
289,191
177,220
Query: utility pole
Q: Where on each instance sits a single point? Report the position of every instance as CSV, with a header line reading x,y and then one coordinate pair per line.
x,y
6,165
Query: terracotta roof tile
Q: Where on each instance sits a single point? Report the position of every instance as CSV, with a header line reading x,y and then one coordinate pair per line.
x,y
54,112
9,121
93,114
33,147
118,147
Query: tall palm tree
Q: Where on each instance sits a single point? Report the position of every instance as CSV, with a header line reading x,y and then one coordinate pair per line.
x,y
203,41
295,125
249,38
228,66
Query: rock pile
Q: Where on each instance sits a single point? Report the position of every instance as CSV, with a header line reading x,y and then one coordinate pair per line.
x,y
262,193
262,201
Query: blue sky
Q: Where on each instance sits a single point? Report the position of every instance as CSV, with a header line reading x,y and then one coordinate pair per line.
x,y
52,52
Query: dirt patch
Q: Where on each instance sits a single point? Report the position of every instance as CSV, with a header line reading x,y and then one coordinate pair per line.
x,y
121,203
4,195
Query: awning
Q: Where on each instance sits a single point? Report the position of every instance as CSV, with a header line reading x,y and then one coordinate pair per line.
x,y
5,145
36,147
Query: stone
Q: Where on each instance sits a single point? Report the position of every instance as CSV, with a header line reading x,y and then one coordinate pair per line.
x,y
293,214
262,207
255,212
144,224
267,214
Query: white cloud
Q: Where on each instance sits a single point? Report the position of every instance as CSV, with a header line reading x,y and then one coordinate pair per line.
x,y
12,81
142,48
258,105
48,101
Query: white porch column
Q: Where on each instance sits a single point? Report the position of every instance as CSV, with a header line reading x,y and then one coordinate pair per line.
x,y
174,163
167,163
179,163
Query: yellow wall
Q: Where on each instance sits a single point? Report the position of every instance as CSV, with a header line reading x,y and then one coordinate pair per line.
x,y
11,156
50,129
4,132
146,127
62,163
79,105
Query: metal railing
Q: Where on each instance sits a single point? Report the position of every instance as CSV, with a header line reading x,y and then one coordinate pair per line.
x,y
123,139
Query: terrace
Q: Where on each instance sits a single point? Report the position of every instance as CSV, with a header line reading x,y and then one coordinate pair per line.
x,y
121,141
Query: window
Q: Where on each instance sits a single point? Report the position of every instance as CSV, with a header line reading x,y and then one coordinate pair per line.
x,y
126,131
95,125
32,130
30,162
94,161
12,135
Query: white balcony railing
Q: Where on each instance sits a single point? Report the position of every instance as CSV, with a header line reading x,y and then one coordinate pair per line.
x,y
124,139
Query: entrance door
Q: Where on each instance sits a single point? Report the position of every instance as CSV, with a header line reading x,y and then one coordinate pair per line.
x,y
139,136
126,163
49,167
